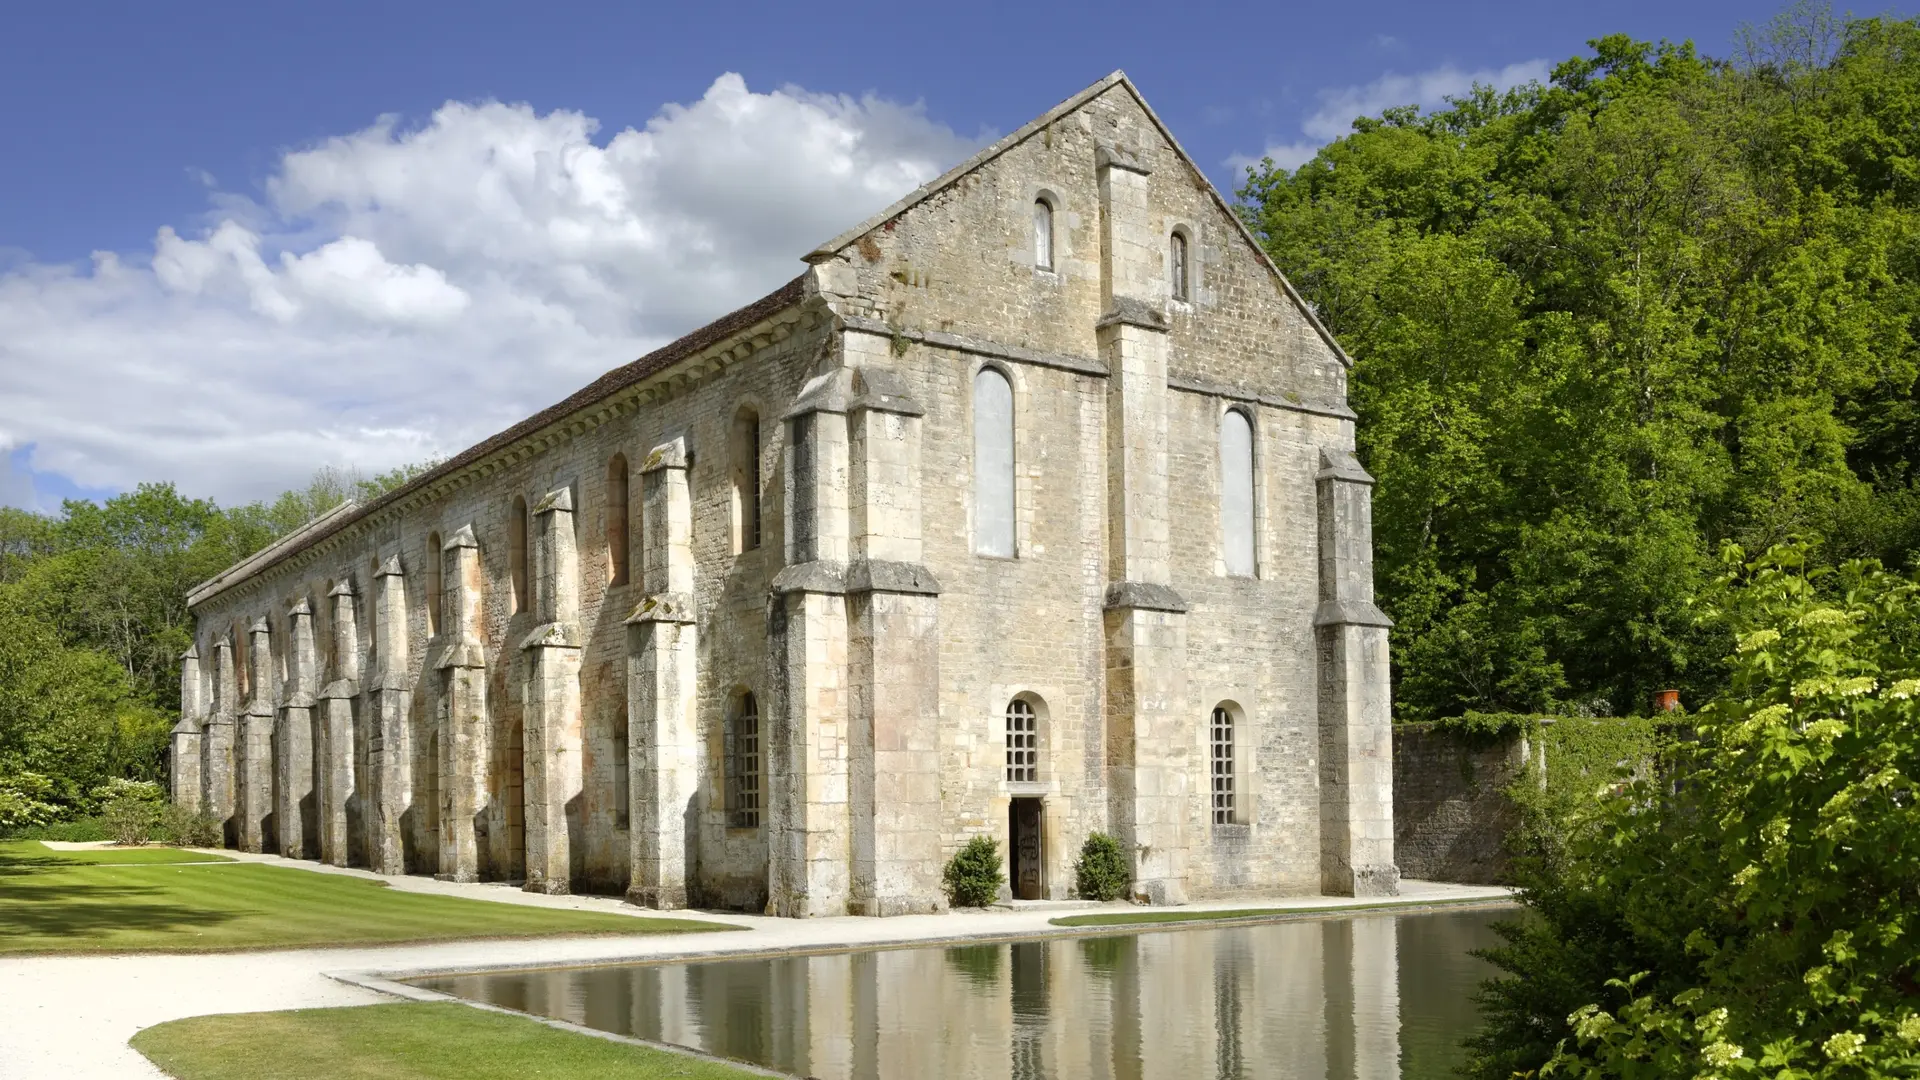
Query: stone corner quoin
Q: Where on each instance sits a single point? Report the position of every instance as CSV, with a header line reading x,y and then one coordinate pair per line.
x,y
1028,510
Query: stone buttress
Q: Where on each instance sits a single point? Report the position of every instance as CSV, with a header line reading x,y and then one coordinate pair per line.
x,y
294,809
183,762
1149,729
217,795
462,720
255,747
663,751
554,775
893,650
809,846
1356,708
389,754
336,738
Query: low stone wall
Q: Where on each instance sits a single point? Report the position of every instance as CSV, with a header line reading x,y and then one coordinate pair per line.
x,y
1451,815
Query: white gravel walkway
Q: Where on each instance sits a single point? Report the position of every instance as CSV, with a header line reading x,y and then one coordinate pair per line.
x,y
71,1017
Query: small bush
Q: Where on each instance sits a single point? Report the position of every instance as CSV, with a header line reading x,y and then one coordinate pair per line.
x,y
130,810
1100,873
77,830
190,828
973,877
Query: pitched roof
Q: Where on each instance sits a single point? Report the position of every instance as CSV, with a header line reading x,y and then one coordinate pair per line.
x,y
833,247
606,386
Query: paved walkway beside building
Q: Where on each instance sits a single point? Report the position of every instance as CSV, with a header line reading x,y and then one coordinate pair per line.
x,y
71,1016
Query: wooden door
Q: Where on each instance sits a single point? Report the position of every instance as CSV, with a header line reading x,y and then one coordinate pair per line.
x,y
1026,849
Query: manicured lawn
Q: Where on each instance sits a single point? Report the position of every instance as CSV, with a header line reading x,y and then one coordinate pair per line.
x,y
107,856
412,1041
79,901
1178,915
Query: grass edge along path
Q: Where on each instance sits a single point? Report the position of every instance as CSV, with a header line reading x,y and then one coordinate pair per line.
x,y
441,1040
1175,916
57,903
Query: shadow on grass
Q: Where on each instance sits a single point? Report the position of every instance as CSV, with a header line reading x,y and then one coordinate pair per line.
x,y
62,911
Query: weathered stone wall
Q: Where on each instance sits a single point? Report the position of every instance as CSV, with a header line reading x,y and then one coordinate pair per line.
x,y
1451,813
881,648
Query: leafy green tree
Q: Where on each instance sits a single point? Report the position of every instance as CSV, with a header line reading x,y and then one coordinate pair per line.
x,y
1746,908
1605,324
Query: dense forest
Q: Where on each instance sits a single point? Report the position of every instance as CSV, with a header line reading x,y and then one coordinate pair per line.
x,y
1605,325
93,619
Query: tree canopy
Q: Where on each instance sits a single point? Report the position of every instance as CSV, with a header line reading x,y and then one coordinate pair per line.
x,y
1604,325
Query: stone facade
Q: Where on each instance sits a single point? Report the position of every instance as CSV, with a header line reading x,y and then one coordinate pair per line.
x,y
721,630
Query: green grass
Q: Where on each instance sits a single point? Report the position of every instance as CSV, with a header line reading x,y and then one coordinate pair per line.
x,y
414,1041
80,902
107,856
1176,915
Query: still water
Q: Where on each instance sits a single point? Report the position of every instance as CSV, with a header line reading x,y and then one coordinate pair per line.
x,y
1369,998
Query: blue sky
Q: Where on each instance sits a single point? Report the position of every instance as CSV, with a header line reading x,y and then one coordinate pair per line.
x,y
252,132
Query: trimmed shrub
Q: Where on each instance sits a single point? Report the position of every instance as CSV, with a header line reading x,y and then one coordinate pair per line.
x,y
973,876
190,828
131,810
1100,873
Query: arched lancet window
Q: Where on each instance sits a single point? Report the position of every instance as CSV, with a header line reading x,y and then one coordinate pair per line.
x,y
436,586
746,480
743,762
1236,493
517,554
619,557
992,463
1177,271
1023,742
1225,767
1042,234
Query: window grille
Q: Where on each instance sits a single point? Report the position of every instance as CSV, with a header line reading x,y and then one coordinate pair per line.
x,y
1023,743
744,762
1223,808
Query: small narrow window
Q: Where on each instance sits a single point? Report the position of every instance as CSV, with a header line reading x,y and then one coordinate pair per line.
x,y
1223,767
1042,234
517,554
1177,265
743,763
992,464
622,791
1236,493
618,555
1023,742
746,481
435,586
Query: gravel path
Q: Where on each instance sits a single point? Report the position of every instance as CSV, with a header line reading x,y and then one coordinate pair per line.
x,y
71,1017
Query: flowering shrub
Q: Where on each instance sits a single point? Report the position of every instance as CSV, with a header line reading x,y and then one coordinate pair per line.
x,y
1743,908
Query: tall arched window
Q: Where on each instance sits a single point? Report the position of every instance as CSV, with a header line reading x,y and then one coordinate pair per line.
x,y
746,480
1042,234
1225,763
992,463
743,762
517,554
618,554
1023,742
436,586
1236,493
1177,265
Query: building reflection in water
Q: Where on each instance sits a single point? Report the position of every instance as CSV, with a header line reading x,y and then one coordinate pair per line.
x,y
1370,998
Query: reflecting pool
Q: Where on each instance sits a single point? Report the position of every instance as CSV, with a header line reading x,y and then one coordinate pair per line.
x,y
1360,998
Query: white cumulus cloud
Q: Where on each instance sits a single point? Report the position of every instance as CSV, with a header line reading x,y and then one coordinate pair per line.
x,y
404,290
1336,107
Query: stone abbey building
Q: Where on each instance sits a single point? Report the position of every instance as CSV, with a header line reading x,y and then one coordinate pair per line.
x,y
1028,510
